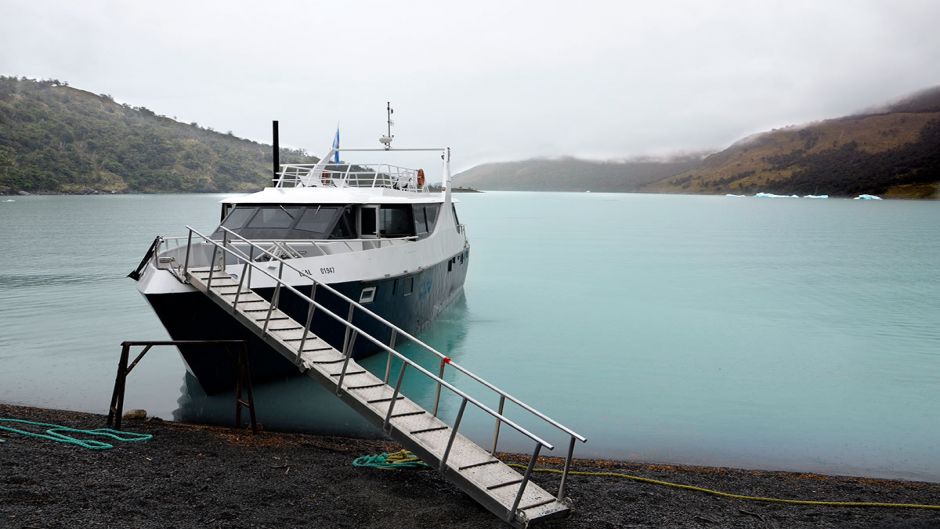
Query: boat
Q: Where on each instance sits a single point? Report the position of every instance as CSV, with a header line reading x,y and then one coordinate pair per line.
x,y
372,232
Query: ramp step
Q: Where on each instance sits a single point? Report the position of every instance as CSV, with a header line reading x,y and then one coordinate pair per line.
x,y
475,465
367,386
407,414
506,484
538,504
435,429
329,361
385,399
350,373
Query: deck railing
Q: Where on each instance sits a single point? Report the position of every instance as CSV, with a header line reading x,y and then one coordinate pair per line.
x,y
349,175
231,245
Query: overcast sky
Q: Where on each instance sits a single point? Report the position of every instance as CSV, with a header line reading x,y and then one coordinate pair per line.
x,y
494,80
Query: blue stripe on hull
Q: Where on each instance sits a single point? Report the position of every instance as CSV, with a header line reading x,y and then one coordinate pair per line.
x,y
410,301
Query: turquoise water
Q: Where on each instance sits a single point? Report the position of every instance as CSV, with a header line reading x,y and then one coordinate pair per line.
x,y
762,333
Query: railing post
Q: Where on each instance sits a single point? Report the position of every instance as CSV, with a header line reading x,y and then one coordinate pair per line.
x,y
348,354
267,319
215,248
564,473
391,404
388,362
525,481
453,433
349,318
310,311
251,258
189,245
440,375
238,292
502,402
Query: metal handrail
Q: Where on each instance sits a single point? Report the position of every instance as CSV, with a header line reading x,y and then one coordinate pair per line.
x,y
364,175
427,347
359,332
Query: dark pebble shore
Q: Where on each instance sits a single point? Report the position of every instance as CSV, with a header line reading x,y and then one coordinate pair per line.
x,y
202,476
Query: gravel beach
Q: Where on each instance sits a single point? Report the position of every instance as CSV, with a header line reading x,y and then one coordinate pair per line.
x,y
201,476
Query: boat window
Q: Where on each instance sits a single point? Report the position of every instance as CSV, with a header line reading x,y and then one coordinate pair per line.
x,y
395,221
425,216
238,217
409,285
276,217
454,208
430,211
317,219
367,295
345,228
421,221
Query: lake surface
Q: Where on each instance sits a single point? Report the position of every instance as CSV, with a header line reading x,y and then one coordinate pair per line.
x,y
791,334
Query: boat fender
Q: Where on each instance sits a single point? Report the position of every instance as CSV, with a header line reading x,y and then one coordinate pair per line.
x,y
420,178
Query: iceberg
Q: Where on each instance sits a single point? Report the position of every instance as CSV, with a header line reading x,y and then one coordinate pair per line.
x,y
867,197
771,195
816,196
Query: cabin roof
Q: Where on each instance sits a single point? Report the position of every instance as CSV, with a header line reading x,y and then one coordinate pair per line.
x,y
334,195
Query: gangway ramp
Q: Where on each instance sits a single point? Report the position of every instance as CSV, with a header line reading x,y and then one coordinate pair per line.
x,y
498,487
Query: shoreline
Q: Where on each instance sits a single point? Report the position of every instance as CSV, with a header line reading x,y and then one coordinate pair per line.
x,y
191,475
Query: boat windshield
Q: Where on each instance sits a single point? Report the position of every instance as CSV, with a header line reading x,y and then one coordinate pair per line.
x,y
290,222
329,221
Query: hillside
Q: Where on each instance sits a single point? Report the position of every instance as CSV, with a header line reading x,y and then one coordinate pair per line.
x,y
892,151
54,138
571,174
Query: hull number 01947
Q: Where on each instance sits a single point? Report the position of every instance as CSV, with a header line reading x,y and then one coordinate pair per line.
x,y
323,270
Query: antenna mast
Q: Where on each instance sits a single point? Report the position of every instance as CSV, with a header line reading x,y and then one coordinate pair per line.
x,y
387,139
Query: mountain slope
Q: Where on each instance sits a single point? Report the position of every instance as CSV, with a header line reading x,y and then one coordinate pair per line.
x,y
892,151
571,174
54,138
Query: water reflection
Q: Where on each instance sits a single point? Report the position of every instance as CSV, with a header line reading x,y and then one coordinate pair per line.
x,y
300,404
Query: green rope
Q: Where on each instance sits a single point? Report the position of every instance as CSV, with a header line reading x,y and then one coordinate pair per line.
x,y
56,432
396,460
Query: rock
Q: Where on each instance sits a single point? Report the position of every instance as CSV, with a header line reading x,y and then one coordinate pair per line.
x,y
135,414
22,193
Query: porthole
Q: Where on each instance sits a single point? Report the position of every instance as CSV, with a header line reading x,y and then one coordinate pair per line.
x,y
367,295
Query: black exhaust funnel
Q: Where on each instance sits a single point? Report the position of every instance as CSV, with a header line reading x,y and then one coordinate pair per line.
x,y
276,164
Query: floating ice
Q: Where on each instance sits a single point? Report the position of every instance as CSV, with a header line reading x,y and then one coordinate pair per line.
x,y
816,196
867,197
771,195
733,195
9,200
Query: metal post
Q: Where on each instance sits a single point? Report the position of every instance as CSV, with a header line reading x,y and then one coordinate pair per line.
x,y
388,362
391,405
348,354
564,473
310,311
117,396
349,318
189,245
453,433
251,258
239,291
440,375
502,402
525,481
215,248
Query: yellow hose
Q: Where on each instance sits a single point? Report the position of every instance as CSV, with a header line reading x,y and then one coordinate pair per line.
x,y
738,496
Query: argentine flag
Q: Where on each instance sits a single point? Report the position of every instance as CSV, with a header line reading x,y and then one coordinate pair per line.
x,y
336,146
